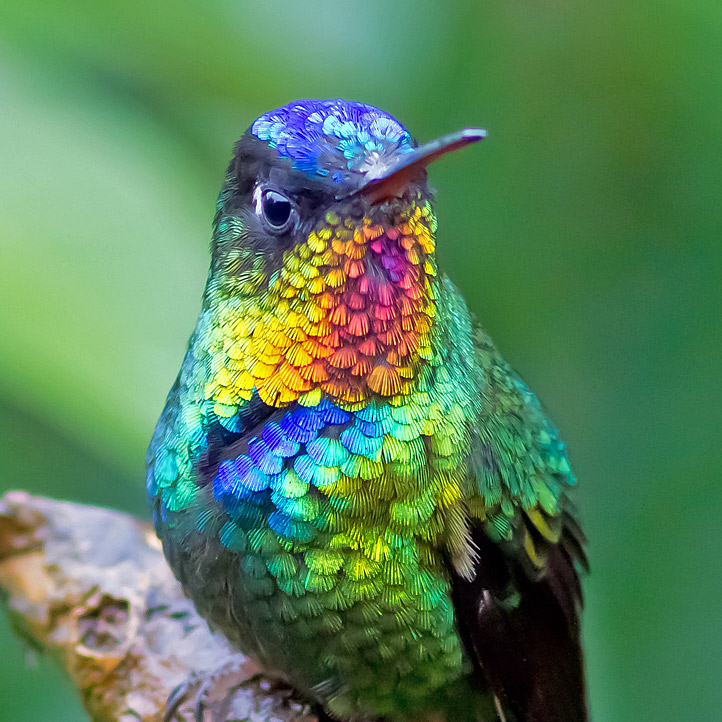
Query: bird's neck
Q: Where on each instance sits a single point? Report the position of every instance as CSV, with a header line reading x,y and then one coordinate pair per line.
x,y
348,317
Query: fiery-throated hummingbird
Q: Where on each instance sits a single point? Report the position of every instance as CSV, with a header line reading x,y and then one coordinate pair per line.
x,y
347,478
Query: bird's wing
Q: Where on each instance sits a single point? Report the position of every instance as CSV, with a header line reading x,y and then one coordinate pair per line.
x,y
518,596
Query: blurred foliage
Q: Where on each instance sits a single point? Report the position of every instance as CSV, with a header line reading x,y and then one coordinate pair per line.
x,y
585,233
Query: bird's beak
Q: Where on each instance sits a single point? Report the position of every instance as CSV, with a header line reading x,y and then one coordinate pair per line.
x,y
392,175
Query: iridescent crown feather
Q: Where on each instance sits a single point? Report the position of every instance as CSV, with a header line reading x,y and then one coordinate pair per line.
x,y
332,137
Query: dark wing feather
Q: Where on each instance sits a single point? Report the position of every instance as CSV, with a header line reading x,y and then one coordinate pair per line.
x,y
524,633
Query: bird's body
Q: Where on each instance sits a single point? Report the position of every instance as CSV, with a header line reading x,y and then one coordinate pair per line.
x,y
347,478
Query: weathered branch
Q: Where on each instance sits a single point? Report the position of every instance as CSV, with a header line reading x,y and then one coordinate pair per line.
x,y
90,586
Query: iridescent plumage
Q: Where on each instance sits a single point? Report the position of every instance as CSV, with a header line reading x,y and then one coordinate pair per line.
x,y
347,478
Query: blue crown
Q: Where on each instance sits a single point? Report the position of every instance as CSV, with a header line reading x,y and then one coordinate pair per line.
x,y
332,137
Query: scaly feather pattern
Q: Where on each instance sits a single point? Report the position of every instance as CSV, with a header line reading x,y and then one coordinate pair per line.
x,y
347,478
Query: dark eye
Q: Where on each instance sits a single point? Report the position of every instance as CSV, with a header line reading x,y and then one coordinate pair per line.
x,y
277,210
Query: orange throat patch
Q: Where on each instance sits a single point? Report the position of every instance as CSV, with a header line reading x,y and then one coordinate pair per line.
x,y
349,315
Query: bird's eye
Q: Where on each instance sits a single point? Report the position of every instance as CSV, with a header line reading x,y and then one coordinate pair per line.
x,y
277,210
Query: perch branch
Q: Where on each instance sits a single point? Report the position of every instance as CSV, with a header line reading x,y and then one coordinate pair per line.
x,y
90,587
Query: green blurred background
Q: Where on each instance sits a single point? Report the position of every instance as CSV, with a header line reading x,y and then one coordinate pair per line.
x,y
585,233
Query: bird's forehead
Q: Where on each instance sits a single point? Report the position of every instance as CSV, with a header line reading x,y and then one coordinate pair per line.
x,y
333,139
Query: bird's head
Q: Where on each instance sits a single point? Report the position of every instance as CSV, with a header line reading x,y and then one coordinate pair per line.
x,y
323,279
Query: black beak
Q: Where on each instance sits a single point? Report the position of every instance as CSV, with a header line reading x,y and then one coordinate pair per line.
x,y
393,176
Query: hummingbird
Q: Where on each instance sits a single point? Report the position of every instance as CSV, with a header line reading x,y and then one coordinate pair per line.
x,y
347,478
